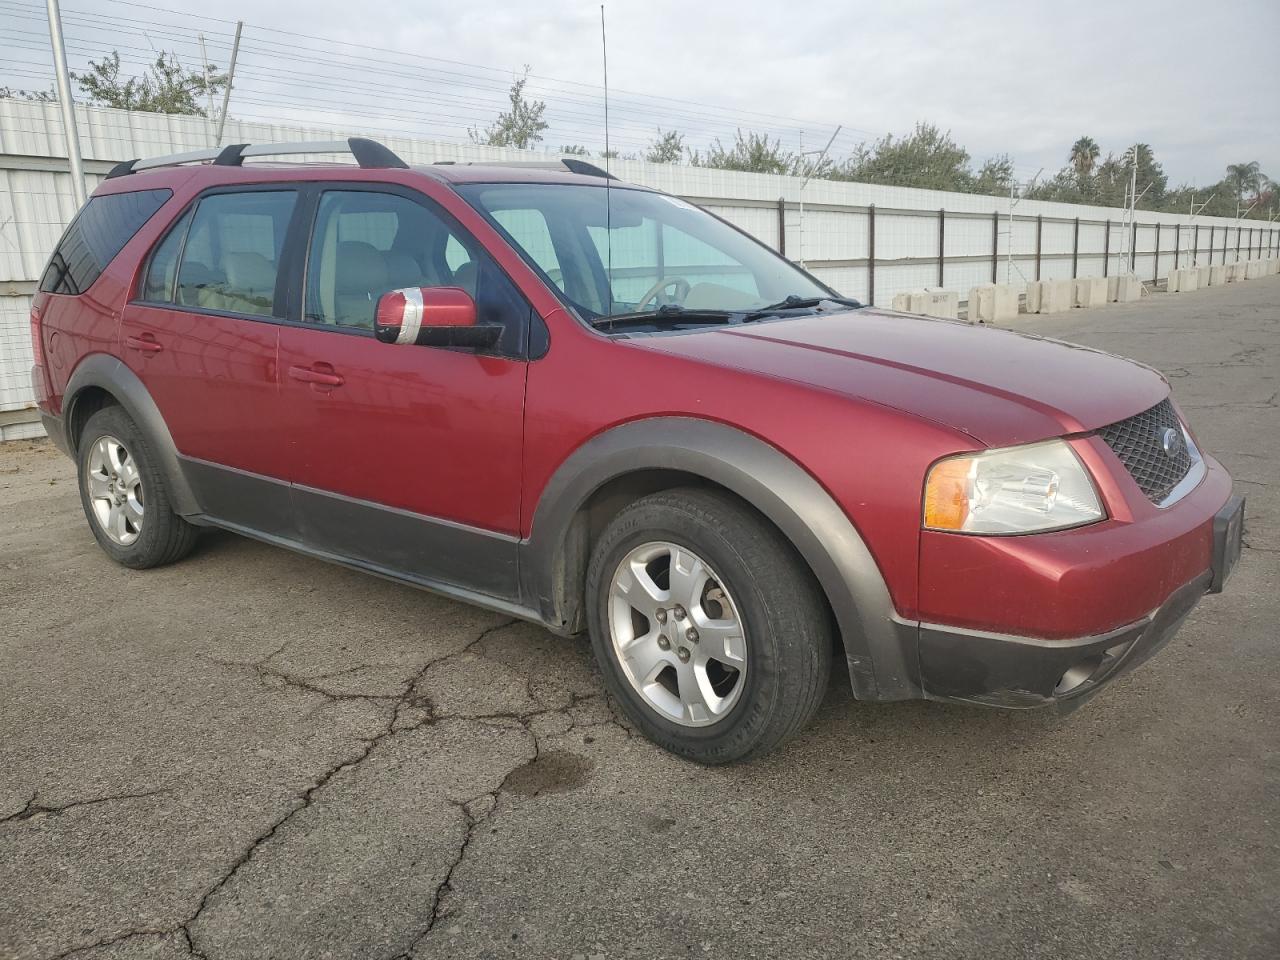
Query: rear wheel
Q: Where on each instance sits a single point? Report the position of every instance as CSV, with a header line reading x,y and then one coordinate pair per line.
x,y
709,630
124,494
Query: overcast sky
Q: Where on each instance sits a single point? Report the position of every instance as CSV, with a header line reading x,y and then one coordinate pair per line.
x,y
1200,81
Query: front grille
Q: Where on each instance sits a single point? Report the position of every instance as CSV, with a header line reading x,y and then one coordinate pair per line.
x,y
1139,443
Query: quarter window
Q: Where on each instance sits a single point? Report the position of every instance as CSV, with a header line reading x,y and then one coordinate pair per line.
x,y
231,257
97,234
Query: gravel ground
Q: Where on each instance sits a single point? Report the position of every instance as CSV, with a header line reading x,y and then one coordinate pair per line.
x,y
253,754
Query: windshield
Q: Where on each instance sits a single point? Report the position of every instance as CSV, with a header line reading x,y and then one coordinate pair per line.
x,y
623,252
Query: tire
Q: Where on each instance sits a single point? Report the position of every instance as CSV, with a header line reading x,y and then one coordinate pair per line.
x,y
124,495
761,626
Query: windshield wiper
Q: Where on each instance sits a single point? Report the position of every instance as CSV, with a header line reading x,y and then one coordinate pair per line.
x,y
668,315
794,302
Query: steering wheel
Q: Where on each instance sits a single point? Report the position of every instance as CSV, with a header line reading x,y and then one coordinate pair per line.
x,y
656,294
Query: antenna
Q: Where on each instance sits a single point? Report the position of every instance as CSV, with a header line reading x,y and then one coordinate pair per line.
x,y
604,52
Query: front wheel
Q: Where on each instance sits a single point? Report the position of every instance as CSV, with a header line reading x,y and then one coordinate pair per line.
x,y
709,630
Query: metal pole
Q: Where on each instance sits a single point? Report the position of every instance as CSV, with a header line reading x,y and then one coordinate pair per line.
x,y
800,216
1106,250
231,76
1008,245
782,226
1039,234
942,259
1177,245
1075,251
1133,214
871,255
63,77
1195,242
995,243
1155,269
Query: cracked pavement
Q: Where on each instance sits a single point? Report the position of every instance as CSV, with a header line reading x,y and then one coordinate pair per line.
x,y
254,754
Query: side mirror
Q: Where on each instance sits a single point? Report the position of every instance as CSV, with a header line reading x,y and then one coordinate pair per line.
x,y
432,317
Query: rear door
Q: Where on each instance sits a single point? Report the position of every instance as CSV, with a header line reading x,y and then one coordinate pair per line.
x,y
406,458
203,336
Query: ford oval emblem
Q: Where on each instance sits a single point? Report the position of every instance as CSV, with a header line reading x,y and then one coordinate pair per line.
x,y
1171,442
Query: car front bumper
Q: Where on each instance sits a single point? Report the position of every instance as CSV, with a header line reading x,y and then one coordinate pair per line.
x,y
994,669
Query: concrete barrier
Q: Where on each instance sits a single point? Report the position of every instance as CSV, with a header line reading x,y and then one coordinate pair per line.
x,y
1202,278
1183,280
992,303
1217,274
936,303
1090,292
1235,272
1049,296
1123,289
1253,270
929,303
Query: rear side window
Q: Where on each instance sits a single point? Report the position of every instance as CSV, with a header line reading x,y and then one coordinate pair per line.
x,y
231,257
97,234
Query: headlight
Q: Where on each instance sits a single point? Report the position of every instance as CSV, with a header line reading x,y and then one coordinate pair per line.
x,y
1042,486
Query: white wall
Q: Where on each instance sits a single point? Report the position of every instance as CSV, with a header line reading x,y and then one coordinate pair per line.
x,y
833,238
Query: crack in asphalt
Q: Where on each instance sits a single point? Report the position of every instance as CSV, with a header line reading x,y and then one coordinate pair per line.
x,y
111,941
33,809
409,697
474,822
393,728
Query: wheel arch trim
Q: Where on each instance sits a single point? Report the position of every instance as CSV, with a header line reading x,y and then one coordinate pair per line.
x,y
110,373
882,658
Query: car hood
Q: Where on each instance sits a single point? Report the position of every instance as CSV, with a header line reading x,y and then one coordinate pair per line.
x,y
998,386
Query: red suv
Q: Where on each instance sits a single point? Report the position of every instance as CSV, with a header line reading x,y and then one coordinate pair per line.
x,y
598,407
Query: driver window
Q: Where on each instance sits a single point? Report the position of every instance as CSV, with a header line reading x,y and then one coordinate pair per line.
x,y
366,243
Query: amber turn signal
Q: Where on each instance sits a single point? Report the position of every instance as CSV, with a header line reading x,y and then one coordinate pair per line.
x,y
946,494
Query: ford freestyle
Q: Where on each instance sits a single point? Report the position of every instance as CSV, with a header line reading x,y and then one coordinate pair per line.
x,y
600,408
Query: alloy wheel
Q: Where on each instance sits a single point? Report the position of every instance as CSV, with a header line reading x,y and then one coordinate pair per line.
x,y
677,634
114,486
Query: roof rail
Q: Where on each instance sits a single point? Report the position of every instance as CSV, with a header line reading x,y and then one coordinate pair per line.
x,y
368,153
572,164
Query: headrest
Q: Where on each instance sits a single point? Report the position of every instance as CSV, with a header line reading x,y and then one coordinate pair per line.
x,y
360,268
249,271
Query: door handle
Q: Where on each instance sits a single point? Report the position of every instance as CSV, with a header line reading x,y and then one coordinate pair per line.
x,y
320,377
144,342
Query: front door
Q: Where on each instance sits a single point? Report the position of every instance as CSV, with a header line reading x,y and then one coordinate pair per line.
x,y
404,458
203,338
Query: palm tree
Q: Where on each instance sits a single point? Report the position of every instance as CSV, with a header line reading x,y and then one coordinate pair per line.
x,y
1084,154
1245,177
